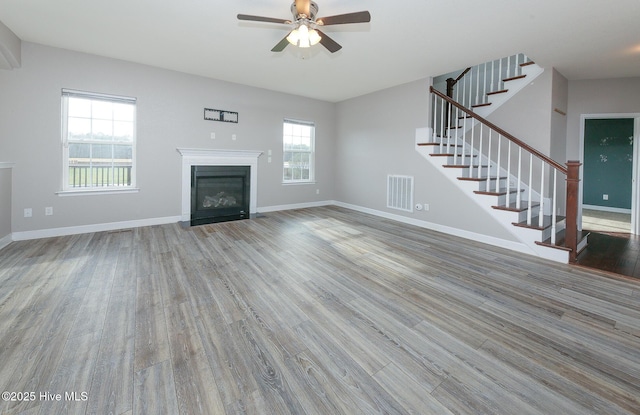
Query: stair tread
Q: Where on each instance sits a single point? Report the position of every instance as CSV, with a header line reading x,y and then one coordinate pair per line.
x,y
512,207
463,166
502,91
560,240
486,104
451,155
527,63
481,178
546,222
513,78
500,192
438,144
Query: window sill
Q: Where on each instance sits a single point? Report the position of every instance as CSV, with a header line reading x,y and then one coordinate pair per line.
x,y
296,183
93,192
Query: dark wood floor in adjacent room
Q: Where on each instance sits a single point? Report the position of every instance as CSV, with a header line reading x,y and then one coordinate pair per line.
x,y
312,311
618,253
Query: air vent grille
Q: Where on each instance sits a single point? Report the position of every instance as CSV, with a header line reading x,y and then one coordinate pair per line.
x,y
400,192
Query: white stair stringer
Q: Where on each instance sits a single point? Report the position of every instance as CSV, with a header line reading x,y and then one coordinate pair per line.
x,y
526,236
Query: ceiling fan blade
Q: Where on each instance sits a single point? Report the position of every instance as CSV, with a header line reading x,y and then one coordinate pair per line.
x,y
357,17
331,45
303,7
281,45
262,19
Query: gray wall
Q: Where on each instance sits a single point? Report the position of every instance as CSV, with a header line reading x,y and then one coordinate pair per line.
x,y
170,114
376,138
5,202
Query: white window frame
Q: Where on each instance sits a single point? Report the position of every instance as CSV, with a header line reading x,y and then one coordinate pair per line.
x,y
311,153
68,190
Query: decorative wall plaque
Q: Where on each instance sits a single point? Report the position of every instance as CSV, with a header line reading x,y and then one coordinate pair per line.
x,y
220,115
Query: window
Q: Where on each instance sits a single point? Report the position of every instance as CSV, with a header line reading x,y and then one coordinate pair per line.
x,y
98,137
298,147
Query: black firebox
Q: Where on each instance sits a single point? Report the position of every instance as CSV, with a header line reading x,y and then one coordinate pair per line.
x,y
219,193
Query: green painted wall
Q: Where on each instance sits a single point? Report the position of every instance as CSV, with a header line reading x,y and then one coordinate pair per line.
x,y
608,162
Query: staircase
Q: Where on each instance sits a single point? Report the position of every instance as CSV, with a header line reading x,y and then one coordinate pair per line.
x,y
533,196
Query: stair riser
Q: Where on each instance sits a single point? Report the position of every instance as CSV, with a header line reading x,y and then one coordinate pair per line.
x,y
490,185
505,200
522,216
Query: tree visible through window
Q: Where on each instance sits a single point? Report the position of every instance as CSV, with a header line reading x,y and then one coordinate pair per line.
x,y
298,146
98,136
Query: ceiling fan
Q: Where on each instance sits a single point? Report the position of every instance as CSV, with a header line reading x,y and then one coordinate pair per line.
x,y
305,32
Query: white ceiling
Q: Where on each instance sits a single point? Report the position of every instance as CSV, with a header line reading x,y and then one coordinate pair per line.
x,y
405,41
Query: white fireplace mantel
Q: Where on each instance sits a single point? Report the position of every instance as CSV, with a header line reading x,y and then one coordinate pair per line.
x,y
208,157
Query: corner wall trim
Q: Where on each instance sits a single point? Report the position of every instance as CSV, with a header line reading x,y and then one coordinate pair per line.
x,y
99,227
6,240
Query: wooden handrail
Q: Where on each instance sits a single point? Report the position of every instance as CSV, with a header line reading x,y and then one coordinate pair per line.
x,y
502,132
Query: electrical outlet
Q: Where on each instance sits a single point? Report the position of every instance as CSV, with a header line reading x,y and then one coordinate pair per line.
x,y
426,207
48,211
213,136
605,197
28,212
233,137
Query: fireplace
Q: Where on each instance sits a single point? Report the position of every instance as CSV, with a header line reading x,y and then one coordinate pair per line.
x,y
197,157
219,193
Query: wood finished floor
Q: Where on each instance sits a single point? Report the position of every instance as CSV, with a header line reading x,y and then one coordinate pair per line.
x,y
613,252
315,311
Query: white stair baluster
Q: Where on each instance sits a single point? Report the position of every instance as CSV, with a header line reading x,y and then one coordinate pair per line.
x,y
478,84
473,127
519,178
498,164
464,141
529,202
442,111
484,85
493,64
480,151
508,184
541,214
488,181
470,89
554,207
500,83
448,129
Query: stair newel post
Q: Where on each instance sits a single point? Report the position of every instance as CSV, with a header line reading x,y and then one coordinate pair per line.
x,y
571,232
435,116
450,84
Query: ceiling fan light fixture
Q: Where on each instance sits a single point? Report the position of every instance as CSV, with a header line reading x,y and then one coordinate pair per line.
x,y
314,37
303,37
294,37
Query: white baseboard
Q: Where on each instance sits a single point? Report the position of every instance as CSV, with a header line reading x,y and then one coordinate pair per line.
x,y
489,240
100,227
6,240
607,209
276,208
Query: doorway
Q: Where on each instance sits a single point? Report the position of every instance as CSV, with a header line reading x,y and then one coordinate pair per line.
x,y
609,185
